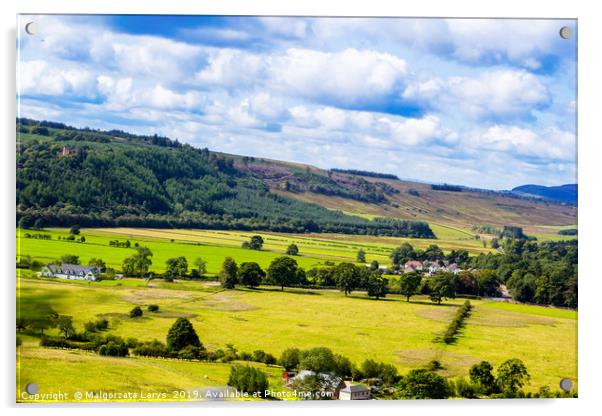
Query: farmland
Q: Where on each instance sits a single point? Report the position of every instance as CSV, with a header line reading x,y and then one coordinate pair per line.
x,y
390,330
214,246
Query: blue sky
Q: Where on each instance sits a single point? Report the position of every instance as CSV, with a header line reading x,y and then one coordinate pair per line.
x,y
485,103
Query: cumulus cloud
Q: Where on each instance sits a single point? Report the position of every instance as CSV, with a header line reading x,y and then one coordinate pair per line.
x,y
323,91
549,143
499,93
526,44
39,77
348,77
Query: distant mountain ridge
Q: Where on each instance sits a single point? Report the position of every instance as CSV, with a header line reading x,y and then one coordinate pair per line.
x,y
564,193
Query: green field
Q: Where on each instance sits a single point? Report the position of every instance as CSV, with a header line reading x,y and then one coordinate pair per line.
x,y
213,246
390,330
73,370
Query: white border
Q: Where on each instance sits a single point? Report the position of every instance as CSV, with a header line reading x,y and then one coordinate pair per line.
x,y
590,161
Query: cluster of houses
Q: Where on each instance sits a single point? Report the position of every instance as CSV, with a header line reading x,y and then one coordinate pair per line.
x,y
429,268
71,272
332,385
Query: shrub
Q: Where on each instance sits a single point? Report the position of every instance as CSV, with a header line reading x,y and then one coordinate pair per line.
x,y
466,389
434,365
457,322
248,379
114,349
190,352
153,308
152,348
136,312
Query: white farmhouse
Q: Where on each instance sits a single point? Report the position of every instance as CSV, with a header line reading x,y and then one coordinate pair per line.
x,y
354,392
70,271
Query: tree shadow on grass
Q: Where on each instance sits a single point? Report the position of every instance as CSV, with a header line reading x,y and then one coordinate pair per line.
x,y
296,291
424,302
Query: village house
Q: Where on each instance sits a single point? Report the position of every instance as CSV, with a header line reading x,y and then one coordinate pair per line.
x,y
71,271
354,392
430,268
412,266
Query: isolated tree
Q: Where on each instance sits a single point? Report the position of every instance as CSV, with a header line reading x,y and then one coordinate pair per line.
x,y
74,230
481,374
290,358
282,271
377,286
250,274
361,256
177,267
346,276
136,312
409,284
374,266
255,243
292,250
495,243
443,285
229,273
182,334
512,375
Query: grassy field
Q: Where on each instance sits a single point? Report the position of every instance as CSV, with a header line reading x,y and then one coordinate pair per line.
x,y
389,330
71,371
214,246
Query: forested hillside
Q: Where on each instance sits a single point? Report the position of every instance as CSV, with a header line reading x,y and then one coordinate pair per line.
x,y
71,176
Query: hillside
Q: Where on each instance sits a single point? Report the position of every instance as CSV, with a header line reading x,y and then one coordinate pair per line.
x,y
66,176
563,193
370,196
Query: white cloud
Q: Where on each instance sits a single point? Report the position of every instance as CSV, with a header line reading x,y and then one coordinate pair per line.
x,y
522,43
367,75
39,77
499,93
549,143
230,67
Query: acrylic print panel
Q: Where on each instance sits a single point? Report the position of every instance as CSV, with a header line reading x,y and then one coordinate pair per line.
x,y
290,208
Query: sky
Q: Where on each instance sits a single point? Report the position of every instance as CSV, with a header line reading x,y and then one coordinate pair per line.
x,y
477,102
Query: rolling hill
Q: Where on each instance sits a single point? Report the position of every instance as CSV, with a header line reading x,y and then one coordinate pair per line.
x,y
112,178
563,193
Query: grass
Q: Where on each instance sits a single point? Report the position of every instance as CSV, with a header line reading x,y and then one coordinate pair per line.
x,y
389,330
214,246
74,371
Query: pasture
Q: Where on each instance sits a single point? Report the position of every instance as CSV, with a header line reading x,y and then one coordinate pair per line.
x,y
215,245
389,330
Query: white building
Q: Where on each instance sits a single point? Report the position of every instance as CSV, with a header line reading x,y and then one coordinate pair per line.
x,y
70,271
354,392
